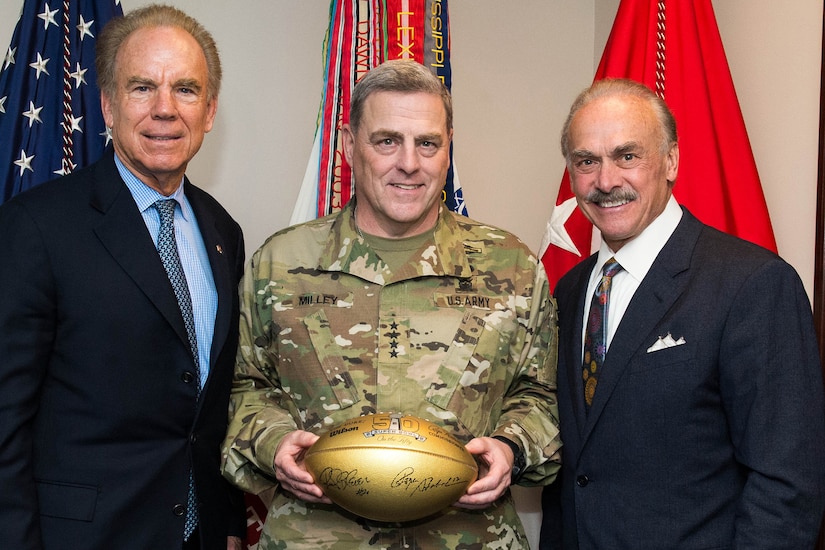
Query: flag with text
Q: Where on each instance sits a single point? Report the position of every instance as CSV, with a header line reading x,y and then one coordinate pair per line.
x,y
361,35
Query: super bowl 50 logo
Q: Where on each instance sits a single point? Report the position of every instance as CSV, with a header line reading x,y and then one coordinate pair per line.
x,y
395,424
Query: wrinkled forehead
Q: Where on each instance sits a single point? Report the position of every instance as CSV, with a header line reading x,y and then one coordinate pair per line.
x,y
614,120
160,46
397,110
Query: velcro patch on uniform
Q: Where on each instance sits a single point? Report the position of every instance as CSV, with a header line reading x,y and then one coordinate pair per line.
x,y
317,300
473,300
474,247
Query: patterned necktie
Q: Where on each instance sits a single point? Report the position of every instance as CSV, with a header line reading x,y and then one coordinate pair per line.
x,y
168,251
595,339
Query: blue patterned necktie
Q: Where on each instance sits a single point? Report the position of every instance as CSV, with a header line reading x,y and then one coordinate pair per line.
x,y
595,339
168,251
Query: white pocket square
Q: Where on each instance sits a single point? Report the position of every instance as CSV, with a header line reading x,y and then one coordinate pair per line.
x,y
665,342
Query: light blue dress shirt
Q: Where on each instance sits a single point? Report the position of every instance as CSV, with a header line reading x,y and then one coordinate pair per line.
x,y
193,257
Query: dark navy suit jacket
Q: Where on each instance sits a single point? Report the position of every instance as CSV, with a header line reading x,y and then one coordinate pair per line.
x,y
717,443
99,424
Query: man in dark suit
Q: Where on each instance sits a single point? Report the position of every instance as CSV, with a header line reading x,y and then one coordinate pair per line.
x,y
113,392
696,418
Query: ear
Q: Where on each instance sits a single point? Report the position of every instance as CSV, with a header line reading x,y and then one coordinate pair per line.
x,y
449,141
211,111
672,160
348,140
106,107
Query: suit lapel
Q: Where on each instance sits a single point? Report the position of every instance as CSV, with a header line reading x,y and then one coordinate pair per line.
x,y
573,352
660,289
123,233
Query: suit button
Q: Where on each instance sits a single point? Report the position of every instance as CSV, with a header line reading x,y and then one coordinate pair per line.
x,y
179,509
193,438
582,481
188,376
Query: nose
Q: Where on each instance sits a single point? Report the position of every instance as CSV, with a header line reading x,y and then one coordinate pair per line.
x,y
608,177
407,160
164,105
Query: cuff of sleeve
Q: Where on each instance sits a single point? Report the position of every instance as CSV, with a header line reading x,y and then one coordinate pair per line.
x,y
519,462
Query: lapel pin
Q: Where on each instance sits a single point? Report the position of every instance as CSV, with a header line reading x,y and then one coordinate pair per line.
x,y
219,248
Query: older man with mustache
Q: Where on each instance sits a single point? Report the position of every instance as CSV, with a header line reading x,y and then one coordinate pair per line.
x,y
690,391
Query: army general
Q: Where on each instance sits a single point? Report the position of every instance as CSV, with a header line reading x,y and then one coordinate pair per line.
x,y
395,304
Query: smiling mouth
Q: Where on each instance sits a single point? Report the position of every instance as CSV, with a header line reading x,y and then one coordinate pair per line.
x,y
613,199
613,204
406,186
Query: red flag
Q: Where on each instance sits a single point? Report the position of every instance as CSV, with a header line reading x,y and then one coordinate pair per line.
x,y
674,47
255,516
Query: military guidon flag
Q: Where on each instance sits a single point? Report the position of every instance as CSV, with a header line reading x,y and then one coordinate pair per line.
x,y
361,35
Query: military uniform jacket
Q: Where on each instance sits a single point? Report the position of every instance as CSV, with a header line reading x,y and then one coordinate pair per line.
x,y
464,335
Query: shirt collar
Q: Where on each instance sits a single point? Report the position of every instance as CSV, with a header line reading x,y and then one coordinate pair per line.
x,y
144,195
638,254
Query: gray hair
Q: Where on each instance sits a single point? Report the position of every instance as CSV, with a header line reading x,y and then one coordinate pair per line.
x,y
116,31
622,87
398,75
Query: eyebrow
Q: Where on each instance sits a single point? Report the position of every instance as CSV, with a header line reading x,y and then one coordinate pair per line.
x,y
140,80
182,83
188,83
617,151
627,147
383,134
430,137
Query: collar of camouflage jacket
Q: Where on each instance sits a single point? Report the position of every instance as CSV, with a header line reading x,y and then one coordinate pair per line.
x,y
445,255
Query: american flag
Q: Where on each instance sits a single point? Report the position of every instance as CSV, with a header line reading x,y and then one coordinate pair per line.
x,y
50,119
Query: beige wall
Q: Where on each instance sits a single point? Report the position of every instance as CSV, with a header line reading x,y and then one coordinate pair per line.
x,y
774,55
516,70
515,73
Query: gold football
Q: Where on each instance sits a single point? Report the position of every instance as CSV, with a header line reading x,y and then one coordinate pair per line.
x,y
391,467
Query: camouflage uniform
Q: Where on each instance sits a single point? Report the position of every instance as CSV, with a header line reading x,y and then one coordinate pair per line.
x,y
465,336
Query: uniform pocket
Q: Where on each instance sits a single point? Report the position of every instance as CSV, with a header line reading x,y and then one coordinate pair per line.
x,y
474,374
332,364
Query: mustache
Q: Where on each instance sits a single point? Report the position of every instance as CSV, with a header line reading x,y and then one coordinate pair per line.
x,y
598,196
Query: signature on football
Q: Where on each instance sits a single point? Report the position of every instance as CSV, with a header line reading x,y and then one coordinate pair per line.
x,y
341,479
407,480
